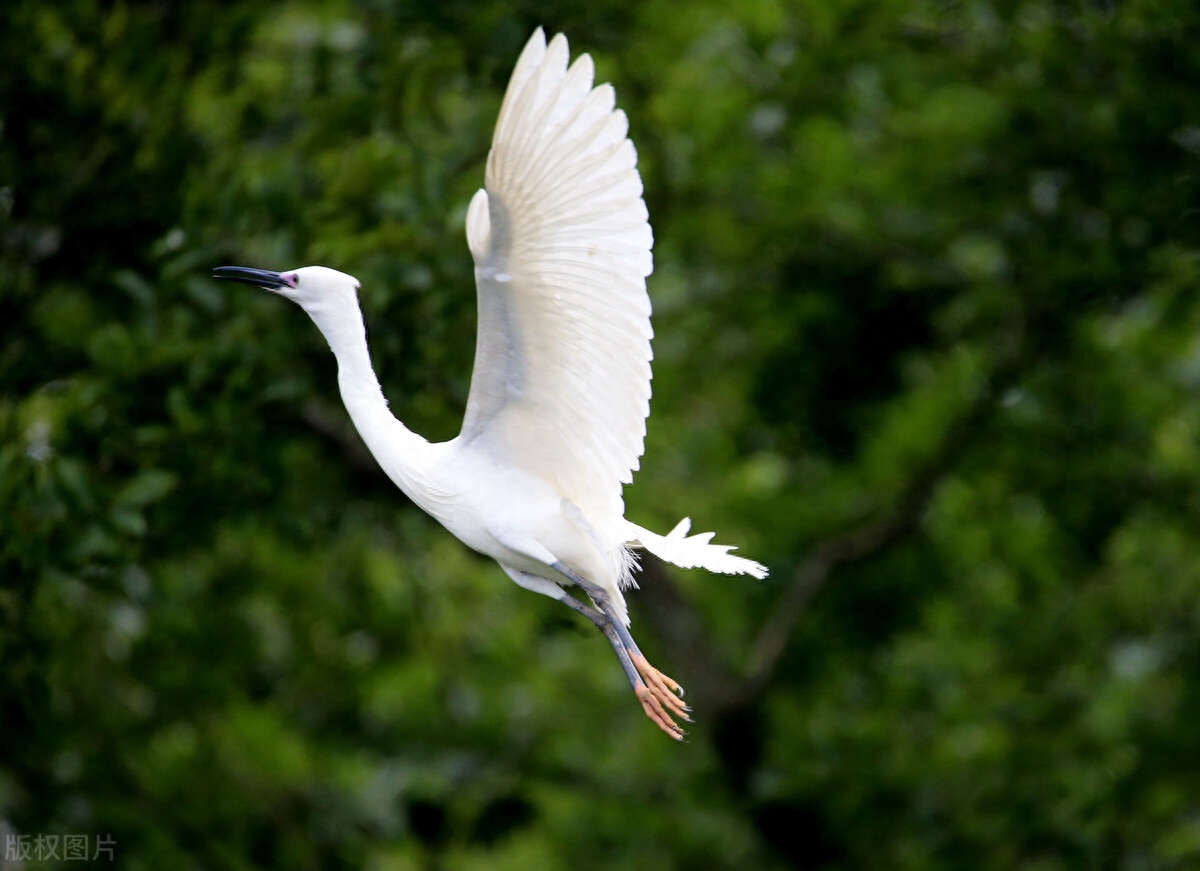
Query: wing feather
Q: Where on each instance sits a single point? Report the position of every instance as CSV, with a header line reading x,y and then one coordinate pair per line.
x,y
561,383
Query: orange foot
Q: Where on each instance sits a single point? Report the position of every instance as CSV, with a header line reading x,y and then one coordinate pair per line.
x,y
661,697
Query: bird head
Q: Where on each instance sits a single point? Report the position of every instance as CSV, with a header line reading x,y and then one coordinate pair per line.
x,y
316,289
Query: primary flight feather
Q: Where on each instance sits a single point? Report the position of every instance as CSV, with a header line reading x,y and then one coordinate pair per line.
x,y
560,391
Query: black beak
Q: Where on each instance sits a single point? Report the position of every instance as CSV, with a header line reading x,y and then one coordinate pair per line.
x,y
246,275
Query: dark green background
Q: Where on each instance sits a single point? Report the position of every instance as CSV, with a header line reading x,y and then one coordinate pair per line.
x,y
927,296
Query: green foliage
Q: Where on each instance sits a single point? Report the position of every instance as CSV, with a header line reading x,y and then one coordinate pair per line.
x,y
933,264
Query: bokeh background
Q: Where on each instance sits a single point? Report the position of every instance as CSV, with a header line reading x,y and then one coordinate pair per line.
x,y
927,296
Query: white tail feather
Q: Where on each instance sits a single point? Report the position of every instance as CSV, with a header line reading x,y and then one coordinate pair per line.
x,y
695,551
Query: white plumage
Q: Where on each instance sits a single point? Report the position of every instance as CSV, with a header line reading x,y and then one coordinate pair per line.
x,y
560,392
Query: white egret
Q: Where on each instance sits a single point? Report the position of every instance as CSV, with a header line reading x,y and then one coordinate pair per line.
x,y
555,419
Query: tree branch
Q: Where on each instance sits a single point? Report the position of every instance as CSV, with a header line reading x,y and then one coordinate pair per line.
x,y
334,426
678,624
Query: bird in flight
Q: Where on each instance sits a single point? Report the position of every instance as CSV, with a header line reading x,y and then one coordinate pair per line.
x,y
560,391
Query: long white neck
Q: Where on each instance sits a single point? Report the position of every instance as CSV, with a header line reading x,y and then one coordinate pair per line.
x,y
402,454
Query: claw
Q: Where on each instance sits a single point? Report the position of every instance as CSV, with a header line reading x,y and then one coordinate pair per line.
x,y
656,713
658,695
665,689
671,702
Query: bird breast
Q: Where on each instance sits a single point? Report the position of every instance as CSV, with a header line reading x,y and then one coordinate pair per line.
x,y
498,505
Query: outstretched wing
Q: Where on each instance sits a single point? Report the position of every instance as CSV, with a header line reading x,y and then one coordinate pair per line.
x,y
561,384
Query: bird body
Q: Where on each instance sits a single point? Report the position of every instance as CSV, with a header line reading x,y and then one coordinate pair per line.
x,y
555,420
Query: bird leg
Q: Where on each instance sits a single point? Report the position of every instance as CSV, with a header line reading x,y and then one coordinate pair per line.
x,y
661,697
650,703
650,698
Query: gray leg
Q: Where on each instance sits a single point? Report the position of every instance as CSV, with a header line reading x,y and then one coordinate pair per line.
x,y
660,695
597,595
608,627
635,670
